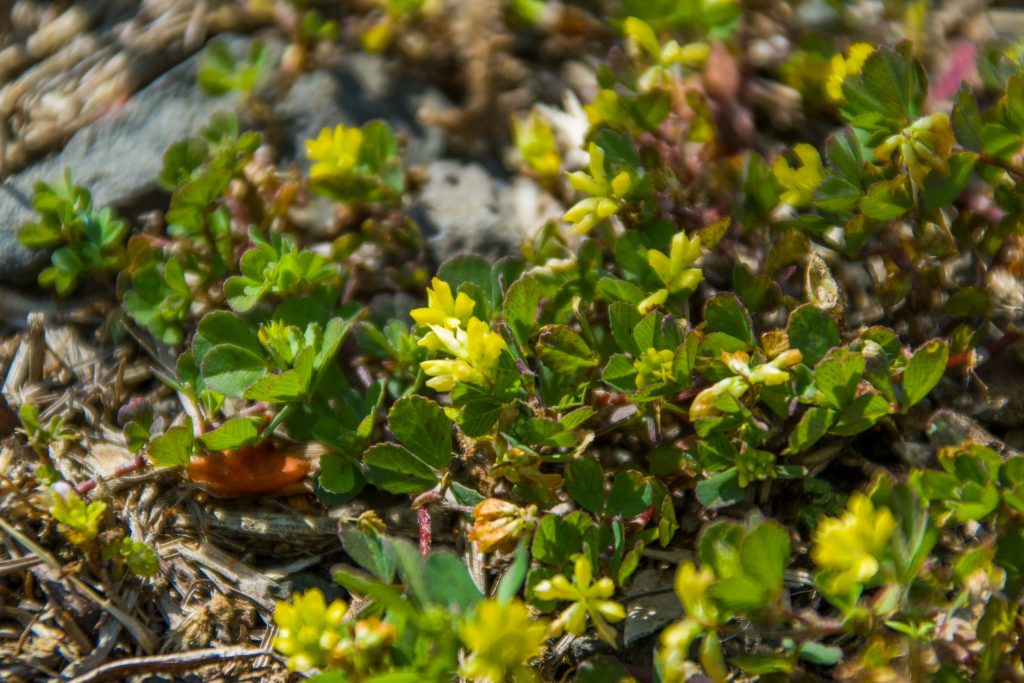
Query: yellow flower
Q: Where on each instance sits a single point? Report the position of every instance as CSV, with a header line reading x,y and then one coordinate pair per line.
x,y
476,351
841,68
307,627
692,589
315,635
535,141
586,598
498,524
849,548
923,146
653,367
334,152
799,184
502,641
674,269
767,374
607,195
442,309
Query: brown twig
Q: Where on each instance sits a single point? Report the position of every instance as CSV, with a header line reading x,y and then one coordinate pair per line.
x,y
182,661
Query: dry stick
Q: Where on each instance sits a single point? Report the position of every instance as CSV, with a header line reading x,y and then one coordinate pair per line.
x,y
124,668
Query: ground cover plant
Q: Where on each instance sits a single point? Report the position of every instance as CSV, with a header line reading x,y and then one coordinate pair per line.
x,y
730,362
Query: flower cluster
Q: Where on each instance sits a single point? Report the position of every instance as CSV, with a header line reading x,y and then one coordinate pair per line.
x,y
607,196
849,549
313,634
768,374
675,270
502,641
587,598
798,184
334,152
474,348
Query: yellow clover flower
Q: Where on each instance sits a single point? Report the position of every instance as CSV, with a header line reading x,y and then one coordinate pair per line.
x,y
335,152
654,366
674,270
607,196
586,598
799,184
442,309
840,68
307,628
767,374
502,641
692,586
535,141
849,548
476,350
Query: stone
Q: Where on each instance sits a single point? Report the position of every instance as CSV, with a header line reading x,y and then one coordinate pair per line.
x,y
654,608
119,156
463,208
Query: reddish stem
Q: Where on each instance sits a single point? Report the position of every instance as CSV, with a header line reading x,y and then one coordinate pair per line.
x,y
127,467
423,519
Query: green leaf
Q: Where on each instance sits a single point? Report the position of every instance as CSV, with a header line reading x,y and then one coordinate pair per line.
x,y
837,376
396,470
842,186
864,413
367,549
334,335
924,370
764,664
822,655
555,540
966,120
739,593
720,490
764,553
888,199
564,351
340,475
389,597
629,495
422,427
620,373
613,289
584,480
479,408
223,327
407,560
512,581
939,190
520,309
449,583
472,269
290,385
813,331
174,447
231,369
812,426
233,434
623,319
888,94
726,313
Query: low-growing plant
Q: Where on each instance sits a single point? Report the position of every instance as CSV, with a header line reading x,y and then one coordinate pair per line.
x,y
690,351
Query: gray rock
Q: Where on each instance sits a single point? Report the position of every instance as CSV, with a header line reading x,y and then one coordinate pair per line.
x,y
353,90
119,156
655,607
463,208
